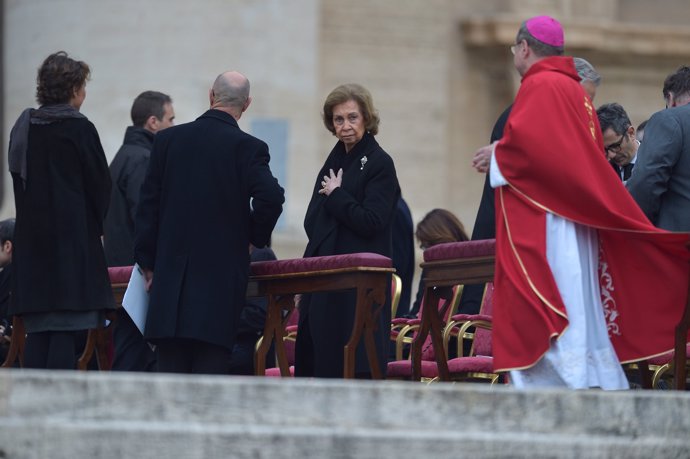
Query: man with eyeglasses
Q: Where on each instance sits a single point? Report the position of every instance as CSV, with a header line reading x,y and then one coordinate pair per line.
x,y
620,144
661,181
563,226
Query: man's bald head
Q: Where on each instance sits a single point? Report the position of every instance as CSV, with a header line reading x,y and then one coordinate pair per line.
x,y
230,92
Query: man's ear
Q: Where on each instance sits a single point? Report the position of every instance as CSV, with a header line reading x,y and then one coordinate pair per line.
x,y
151,123
246,104
7,247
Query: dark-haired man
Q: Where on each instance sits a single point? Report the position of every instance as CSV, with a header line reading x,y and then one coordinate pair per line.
x,y
620,143
661,181
151,112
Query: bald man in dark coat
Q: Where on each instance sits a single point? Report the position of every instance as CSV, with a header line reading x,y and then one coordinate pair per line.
x,y
194,225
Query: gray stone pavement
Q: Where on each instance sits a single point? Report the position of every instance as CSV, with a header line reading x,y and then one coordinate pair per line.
x,y
65,414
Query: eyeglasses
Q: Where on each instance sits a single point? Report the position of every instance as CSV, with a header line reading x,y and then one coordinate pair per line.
x,y
615,147
513,48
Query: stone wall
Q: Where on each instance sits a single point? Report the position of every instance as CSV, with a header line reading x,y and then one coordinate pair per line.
x,y
440,72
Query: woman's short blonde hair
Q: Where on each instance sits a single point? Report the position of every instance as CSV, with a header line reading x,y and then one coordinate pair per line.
x,y
359,94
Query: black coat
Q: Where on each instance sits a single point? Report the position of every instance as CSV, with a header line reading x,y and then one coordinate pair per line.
x,y
403,254
484,224
58,258
356,217
127,172
194,225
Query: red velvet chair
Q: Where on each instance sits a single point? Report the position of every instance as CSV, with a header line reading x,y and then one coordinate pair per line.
x,y
402,368
289,343
16,349
660,367
478,365
100,340
468,262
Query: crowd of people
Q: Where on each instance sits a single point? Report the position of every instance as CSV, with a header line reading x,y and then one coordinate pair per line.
x,y
192,204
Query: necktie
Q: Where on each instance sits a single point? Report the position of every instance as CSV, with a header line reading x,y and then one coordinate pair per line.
x,y
627,170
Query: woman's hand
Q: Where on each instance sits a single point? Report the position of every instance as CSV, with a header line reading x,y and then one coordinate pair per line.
x,y
331,182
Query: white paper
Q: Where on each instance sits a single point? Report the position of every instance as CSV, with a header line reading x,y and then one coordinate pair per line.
x,y
136,299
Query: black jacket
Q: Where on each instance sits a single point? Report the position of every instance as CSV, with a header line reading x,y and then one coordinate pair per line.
x,y
356,217
403,254
484,227
194,224
58,258
127,173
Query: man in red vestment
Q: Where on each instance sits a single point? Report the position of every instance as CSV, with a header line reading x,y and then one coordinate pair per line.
x,y
583,280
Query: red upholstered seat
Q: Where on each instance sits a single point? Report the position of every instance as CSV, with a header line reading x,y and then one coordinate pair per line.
x,y
120,274
661,368
298,265
404,331
466,249
275,372
477,364
402,369
665,358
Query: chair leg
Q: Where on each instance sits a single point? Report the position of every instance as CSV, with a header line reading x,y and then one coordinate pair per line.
x,y
16,350
645,374
89,347
104,337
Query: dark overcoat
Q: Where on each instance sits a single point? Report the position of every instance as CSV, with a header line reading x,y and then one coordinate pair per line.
x,y
194,224
58,258
356,217
127,172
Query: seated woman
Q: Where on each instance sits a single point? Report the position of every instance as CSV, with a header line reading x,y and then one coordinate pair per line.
x,y
351,210
437,227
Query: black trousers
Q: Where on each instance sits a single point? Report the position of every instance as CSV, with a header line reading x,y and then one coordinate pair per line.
x,y
132,352
55,350
181,355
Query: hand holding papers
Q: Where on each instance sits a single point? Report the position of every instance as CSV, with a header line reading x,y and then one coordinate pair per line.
x,y
136,299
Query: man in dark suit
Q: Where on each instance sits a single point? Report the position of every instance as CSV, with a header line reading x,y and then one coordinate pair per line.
x,y
403,254
194,225
620,142
660,182
151,112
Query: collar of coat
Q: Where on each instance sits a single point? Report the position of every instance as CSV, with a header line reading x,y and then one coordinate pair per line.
x,y
220,115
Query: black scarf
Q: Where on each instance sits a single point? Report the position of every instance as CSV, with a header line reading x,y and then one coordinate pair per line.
x,y
19,136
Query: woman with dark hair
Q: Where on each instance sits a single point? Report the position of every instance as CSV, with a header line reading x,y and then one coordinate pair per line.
x,y
61,190
351,210
437,227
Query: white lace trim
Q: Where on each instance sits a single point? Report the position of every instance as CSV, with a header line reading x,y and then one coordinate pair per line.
x,y
574,369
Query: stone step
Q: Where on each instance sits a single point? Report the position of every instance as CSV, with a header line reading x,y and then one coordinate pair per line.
x,y
103,415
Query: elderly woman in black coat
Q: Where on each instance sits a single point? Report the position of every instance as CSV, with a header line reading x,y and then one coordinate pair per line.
x,y
61,189
351,210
